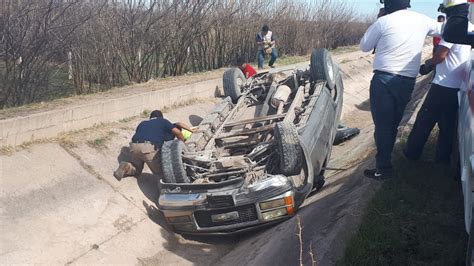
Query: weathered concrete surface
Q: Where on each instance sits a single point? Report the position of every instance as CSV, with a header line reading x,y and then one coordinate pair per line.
x,y
58,210
15,131
61,204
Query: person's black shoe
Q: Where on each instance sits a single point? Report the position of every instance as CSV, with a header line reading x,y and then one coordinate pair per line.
x,y
271,66
375,174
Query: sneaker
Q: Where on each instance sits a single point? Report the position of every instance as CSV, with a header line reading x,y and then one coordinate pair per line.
x,y
272,66
375,174
121,170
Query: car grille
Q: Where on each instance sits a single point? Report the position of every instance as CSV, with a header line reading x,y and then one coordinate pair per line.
x,y
247,213
220,201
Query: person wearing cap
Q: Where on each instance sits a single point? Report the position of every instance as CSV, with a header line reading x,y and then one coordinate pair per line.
x,y
457,27
398,38
266,45
145,146
441,103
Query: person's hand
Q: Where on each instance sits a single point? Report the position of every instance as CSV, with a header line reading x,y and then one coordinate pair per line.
x,y
427,67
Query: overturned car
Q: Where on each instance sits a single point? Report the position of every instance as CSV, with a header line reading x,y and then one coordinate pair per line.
x,y
257,156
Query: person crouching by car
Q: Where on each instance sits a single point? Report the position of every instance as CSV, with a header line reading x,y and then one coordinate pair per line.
x,y
441,103
266,45
247,69
398,39
145,146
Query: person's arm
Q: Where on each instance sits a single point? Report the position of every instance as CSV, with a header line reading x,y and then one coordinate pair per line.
x,y
272,41
173,128
434,27
177,133
439,56
259,39
371,37
184,126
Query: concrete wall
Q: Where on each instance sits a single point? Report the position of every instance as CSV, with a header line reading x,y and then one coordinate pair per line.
x,y
49,124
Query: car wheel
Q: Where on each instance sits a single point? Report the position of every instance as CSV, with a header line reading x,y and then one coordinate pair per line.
x,y
322,67
289,148
172,162
233,81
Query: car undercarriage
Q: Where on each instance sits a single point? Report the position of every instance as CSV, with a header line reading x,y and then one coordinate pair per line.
x,y
257,155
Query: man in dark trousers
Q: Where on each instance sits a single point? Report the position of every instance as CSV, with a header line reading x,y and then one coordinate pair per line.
x,y
145,146
398,38
441,104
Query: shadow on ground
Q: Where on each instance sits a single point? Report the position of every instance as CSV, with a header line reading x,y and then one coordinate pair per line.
x,y
364,106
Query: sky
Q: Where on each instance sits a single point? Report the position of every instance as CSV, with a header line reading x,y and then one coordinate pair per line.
x,y
427,7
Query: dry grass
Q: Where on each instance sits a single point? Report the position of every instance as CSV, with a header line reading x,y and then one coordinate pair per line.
x,y
100,143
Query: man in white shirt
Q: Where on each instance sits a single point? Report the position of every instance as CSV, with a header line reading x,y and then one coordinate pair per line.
x,y
441,104
398,39
266,45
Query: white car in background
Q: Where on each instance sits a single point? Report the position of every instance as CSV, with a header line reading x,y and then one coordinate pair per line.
x,y
466,148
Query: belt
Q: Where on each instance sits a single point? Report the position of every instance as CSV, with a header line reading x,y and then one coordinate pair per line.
x,y
394,75
157,148
144,142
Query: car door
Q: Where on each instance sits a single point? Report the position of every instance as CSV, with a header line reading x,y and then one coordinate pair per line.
x,y
318,134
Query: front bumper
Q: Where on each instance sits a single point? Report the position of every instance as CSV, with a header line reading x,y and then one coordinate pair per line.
x,y
228,211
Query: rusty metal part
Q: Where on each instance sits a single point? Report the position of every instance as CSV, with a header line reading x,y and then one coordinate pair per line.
x,y
246,132
297,101
254,120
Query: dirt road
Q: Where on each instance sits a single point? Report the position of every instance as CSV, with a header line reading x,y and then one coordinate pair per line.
x,y
59,202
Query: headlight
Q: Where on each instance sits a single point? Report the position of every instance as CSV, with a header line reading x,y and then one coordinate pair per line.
x,y
274,214
276,208
179,219
275,181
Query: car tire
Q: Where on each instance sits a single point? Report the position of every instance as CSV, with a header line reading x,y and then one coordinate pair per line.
x,y
289,148
172,162
322,67
233,80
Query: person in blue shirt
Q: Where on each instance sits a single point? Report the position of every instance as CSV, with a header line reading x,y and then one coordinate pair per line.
x,y
146,144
